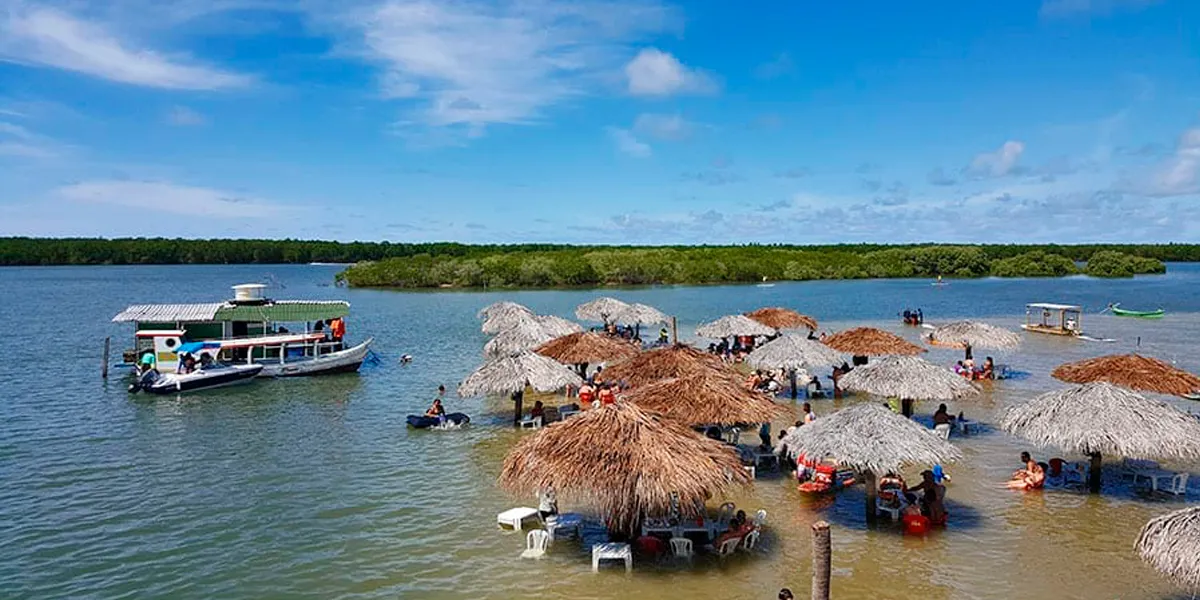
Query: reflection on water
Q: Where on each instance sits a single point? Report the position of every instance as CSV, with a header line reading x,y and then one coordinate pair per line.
x,y
315,488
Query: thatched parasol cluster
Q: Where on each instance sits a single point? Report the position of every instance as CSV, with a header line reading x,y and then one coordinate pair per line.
x,y
512,373
868,341
782,318
907,377
1133,371
707,397
624,462
587,347
975,334
1101,418
734,325
664,363
1171,544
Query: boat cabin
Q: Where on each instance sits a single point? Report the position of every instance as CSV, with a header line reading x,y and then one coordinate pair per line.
x,y
1055,319
250,328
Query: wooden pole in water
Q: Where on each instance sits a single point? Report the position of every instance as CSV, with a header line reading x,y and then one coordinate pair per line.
x,y
674,331
1094,473
792,379
869,480
822,561
517,407
104,365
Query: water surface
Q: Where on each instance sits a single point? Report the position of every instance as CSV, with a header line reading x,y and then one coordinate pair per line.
x,y
315,488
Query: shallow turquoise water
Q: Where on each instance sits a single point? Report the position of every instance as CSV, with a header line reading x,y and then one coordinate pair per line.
x,y
315,488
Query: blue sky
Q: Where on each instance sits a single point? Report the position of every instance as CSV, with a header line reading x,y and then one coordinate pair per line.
x,y
622,121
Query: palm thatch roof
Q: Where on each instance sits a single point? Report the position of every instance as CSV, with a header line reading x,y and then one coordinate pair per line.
x,y
907,377
502,315
976,335
642,313
733,325
869,437
708,397
603,309
664,363
1103,418
558,325
527,332
624,462
514,372
587,347
1171,544
1133,371
782,318
792,351
868,341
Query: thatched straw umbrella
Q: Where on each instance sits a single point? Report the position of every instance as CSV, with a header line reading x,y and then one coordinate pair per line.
x,y
502,315
973,334
793,352
586,347
664,363
1100,418
782,318
525,332
512,373
1133,371
643,314
868,341
604,310
707,397
872,440
908,378
558,325
624,462
734,325
1171,544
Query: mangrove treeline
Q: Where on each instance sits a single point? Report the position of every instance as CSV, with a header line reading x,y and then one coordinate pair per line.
x,y
700,265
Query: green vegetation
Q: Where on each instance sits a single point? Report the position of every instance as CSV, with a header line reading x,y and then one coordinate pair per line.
x,y
1034,264
1108,263
549,265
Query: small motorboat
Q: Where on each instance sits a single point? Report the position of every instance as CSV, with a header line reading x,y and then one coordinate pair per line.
x,y
453,420
205,378
1142,314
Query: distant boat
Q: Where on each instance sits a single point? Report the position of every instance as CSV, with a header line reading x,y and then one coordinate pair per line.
x,y
764,283
939,282
327,264
1144,314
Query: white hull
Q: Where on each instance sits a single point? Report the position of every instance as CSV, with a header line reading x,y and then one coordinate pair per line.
x,y
334,362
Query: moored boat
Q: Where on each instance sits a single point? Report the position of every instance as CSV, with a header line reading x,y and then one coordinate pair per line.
x,y
250,329
205,374
1144,314
1055,319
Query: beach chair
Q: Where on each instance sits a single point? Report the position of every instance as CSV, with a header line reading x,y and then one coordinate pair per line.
x,y
760,518
882,508
750,540
532,422
1178,485
728,547
535,544
681,547
942,430
724,515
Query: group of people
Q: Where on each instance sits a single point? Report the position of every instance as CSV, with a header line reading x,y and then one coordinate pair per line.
x,y
734,352
917,512
913,317
189,364
1031,476
967,368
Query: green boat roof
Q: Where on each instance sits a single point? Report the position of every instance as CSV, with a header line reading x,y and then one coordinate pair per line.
x,y
280,311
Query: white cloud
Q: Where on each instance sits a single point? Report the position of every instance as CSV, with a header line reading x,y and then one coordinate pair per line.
x,y
473,63
48,37
19,142
998,163
663,126
166,197
1180,174
185,117
656,73
628,143
1073,8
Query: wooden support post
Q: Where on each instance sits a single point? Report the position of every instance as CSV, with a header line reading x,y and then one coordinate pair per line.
x,y
674,331
1094,473
517,407
792,379
822,561
872,492
104,365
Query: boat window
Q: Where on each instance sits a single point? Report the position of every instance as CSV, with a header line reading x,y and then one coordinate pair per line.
x,y
170,342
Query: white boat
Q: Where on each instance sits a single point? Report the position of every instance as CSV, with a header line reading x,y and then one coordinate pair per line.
x,y
211,375
249,330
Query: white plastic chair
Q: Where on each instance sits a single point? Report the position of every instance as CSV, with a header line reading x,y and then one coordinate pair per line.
x,y
612,552
728,547
681,547
534,422
881,507
750,540
1178,485
735,436
942,430
760,518
535,544
724,515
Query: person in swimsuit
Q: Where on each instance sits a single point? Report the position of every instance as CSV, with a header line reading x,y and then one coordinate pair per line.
x,y
436,410
932,498
1032,477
